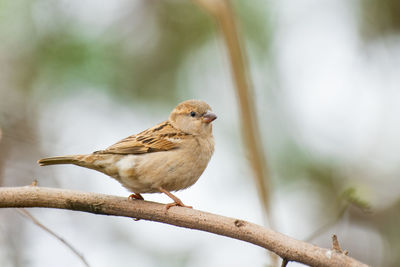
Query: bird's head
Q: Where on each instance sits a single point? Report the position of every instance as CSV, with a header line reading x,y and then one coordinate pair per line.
x,y
193,117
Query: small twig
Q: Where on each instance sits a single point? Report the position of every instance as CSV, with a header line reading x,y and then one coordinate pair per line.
x,y
336,246
28,215
284,263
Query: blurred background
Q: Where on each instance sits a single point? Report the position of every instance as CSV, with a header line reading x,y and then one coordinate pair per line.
x,y
77,76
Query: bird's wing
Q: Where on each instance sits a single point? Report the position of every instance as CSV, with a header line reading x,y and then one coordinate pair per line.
x,y
162,137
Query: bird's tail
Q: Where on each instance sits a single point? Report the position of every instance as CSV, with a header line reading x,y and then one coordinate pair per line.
x,y
60,160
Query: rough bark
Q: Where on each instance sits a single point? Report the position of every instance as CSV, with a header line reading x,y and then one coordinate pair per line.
x,y
287,248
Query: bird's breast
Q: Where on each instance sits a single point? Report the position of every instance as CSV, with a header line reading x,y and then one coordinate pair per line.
x,y
173,170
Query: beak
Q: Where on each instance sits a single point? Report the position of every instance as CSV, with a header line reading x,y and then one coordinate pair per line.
x,y
209,117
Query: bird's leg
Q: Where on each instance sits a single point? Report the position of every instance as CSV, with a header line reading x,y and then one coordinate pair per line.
x,y
136,196
177,201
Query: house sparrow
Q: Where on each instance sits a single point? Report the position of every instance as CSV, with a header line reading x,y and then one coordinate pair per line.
x,y
167,157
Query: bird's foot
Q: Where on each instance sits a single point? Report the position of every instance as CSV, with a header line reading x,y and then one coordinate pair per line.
x,y
135,196
177,201
180,204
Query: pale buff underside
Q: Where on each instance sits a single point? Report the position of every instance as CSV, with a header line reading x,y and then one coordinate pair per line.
x,y
172,170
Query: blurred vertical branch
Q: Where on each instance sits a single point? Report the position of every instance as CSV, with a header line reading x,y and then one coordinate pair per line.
x,y
223,12
379,18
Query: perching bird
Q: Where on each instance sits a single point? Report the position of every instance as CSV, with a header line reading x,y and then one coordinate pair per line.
x,y
167,157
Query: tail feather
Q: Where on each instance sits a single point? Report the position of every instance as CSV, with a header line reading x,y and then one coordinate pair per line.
x,y
58,160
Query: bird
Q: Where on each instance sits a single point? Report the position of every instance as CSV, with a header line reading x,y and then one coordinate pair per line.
x,y
170,156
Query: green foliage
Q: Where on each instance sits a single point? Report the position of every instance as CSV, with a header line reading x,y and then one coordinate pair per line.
x,y
59,53
181,28
66,58
255,26
351,197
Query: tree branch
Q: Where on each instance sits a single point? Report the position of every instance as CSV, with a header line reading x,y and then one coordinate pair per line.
x,y
286,247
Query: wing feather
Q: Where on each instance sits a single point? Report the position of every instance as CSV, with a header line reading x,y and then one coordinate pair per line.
x,y
162,137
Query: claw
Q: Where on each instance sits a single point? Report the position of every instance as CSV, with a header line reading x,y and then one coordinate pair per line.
x,y
173,204
135,196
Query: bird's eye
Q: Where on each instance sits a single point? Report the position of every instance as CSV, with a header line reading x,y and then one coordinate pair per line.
x,y
192,114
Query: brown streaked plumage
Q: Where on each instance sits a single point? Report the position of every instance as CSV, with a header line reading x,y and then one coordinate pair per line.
x,y
167,157
151,140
